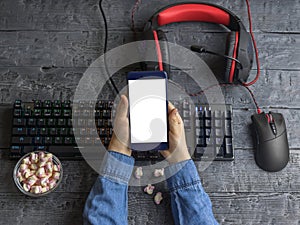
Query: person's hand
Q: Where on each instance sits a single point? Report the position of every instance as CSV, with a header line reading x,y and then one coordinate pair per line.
x,y
178,150
120,138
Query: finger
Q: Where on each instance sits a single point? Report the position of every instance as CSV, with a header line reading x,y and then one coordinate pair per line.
x,y
175,122
122,110
170,107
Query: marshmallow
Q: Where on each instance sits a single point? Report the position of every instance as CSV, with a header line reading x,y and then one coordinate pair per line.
x,y
36,189
158,198
27,173
56,175
159,172
149,189
34,157
23,167
52,183
42,163
41,172
33,166
32,180
26,187
26,160
44,181
44,189
41,155
49,167
56,168
138,172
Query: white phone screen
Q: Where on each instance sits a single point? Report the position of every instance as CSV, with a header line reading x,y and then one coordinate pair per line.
x,y
148,112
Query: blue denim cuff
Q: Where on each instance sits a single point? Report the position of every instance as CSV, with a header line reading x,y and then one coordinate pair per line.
x,y
182,175
117,167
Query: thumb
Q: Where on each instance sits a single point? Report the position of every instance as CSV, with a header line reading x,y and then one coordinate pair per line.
x,y
122,110
175,122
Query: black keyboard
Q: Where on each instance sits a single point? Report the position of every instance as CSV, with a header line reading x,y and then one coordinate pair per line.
x,y
47,125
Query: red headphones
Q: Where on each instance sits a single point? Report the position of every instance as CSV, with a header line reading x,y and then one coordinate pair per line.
x,y
239,42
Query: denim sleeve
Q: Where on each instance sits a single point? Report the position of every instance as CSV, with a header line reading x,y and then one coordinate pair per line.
x,y
107,202
190,204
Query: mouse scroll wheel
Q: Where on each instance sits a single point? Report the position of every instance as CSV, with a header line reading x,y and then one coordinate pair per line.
x,y
270,118
272,123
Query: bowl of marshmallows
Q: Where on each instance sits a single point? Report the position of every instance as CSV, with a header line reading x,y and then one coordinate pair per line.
x,y
38,173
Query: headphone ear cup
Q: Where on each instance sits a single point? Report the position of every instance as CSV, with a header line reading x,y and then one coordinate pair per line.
x,y
230,52
164,48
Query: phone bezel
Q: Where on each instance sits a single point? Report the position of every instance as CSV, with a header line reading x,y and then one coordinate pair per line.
x,y
149,146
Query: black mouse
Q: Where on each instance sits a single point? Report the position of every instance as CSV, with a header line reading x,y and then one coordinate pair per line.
x,y
272,149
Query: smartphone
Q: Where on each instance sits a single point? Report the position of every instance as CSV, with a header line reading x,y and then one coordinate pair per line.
x,y
148,110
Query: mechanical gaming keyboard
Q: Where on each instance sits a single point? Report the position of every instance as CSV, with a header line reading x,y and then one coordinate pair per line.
x,y
47,125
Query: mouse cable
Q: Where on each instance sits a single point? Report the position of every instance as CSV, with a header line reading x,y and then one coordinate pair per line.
x,y
115,89
255,47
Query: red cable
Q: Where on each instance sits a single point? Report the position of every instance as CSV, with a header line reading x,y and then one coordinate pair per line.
x,y
255,47
158,51
134,9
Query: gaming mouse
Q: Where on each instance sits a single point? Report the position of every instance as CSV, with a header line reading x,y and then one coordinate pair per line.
x,y
272,149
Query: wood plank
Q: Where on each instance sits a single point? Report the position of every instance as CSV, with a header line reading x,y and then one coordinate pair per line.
x,y
268,16
256,208
81,48
280,88
229,208
232,176
61,209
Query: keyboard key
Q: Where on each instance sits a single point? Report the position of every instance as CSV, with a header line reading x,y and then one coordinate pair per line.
x,y
66,104
68,140
17,112
227,114
229,147
57,104
28,149
48,140
199,151
41,122
58,140
57,113
201,142
20,131
44,131
51,122
28,112
21,140
38,140
19,122
32,131
64,131
228,131
37,104
47,104
61,122
47,112
16,149
17,104
53,131
67,112
37,112
31,122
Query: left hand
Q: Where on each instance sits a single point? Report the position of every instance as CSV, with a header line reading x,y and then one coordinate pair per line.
x,y
120,138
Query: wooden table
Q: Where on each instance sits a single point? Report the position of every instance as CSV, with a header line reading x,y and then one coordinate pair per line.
x,y
47,45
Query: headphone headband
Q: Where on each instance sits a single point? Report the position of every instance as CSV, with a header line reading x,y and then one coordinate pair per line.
x,y
193,11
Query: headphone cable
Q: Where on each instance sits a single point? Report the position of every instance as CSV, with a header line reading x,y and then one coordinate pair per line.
x,y
255,48
226,85
115,89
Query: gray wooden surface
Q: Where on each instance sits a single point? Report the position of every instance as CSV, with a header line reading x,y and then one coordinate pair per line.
x,y
45,47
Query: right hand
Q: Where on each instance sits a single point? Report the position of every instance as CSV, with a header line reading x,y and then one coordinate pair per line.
x,y
178,150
